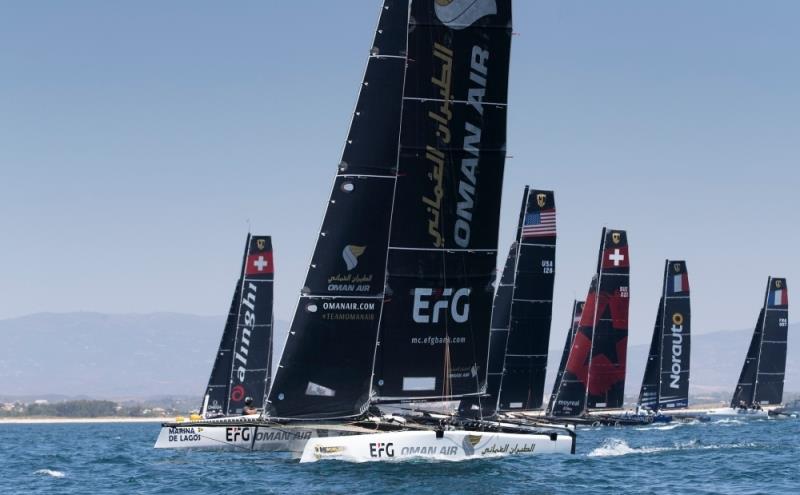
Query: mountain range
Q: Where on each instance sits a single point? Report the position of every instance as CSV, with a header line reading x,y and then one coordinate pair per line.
x,y
129,356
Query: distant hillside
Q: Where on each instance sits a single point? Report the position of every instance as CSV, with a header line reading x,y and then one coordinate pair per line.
x,y
109,356
166,354
717,359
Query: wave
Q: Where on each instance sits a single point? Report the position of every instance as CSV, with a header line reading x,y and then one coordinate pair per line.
x,y
51,472
660,427
614,447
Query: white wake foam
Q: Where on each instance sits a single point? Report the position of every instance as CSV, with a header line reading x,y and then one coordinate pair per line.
x,y
613,447
671,426
51,472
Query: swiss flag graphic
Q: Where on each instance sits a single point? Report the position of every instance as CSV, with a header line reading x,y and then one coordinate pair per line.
x,y
259,263
616,257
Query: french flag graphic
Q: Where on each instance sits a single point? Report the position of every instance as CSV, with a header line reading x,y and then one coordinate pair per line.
x,y
680,282
779,297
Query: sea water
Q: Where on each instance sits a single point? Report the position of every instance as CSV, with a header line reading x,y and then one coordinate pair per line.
x,y
726,456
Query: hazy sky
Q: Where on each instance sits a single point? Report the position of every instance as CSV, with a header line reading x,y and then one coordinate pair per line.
x,y
138,138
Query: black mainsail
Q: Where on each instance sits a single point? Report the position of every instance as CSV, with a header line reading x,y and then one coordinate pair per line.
x,y
577,311
762,376
244,358
666,378
520,329
434,330
530,311
594,377
408,243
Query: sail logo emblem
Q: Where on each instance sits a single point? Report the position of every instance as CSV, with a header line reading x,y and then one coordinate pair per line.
x,y
617,257
261,244
237,393
778,284
460,14
423,313
677,267
541,200
378,449
677,351
616,237
350,254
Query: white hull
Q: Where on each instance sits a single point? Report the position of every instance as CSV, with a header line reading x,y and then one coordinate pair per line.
x,y
244,436
729,412
450,446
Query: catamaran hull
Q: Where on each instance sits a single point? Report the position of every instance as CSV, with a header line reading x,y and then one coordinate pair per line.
x,y
443,446
251,437
729,412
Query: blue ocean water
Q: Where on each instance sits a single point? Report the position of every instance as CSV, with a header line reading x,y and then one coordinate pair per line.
x,y
729,456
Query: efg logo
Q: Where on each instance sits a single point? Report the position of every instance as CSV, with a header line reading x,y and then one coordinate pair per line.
x,y
460,14
381,450
423,313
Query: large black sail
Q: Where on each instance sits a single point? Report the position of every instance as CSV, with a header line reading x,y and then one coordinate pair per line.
x,y
215,401
577,311
522,384
498,336
326,367
594,377
252,345
434,328
666,378
762,376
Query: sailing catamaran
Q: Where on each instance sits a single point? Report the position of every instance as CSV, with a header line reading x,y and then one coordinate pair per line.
x,y
594,375
521,315
240,377
397,301
761,380
665,385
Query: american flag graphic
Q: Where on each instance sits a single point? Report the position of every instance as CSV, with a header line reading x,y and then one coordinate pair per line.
x,y
539,224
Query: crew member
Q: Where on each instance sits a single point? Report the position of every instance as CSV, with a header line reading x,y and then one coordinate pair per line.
x,y
248,407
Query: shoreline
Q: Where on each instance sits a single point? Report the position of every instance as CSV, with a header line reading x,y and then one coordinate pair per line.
x,y
50,420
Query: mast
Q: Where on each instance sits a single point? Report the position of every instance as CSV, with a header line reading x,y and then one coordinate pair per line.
x,y
577,310
435,319
530,312
253,335
215,400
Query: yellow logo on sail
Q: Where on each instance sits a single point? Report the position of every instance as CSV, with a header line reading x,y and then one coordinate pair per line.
x,y
460,14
